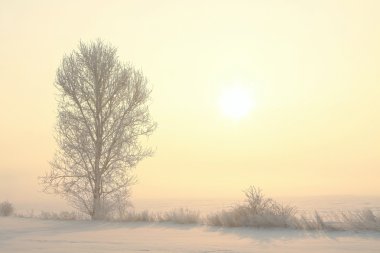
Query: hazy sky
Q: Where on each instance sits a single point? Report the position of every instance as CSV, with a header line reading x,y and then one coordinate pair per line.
x,y
312,69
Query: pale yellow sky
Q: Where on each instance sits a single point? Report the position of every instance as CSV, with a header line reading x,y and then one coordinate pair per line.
x,y
312,67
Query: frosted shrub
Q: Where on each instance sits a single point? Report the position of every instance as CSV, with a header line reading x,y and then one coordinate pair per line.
x,y
257,203
64,215
258,211
181,216
315,222
133,216
360,220
6,208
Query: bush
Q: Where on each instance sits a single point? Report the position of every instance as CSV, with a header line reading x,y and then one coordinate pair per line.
x,y
359,220
181,216
258,211
64,215
6,208
133,216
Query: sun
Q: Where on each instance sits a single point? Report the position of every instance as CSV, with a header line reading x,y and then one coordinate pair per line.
x,y
235,102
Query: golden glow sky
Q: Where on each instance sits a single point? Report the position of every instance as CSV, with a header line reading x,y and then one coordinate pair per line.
x,y
312,69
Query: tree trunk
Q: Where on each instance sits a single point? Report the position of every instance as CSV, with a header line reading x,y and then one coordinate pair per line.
x,y
97,209
97,213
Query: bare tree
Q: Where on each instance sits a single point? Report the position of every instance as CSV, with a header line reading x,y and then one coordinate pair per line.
x,y
102,113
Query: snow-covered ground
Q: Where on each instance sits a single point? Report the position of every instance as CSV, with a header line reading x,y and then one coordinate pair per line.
x,y
32,235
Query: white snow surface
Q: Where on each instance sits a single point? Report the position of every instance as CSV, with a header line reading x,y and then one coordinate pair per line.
x,y
33,235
